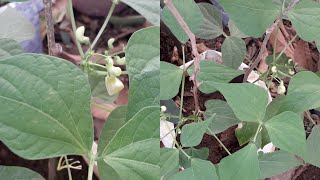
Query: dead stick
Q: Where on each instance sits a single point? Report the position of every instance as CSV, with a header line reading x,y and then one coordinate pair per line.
x,y
266,39
195,52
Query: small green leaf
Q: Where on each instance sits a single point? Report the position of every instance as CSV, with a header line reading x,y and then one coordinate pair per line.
x,y
233,52
190,13
234,30
275,163
242,164
211,72
149,9
313,147
252,17
306,14
286,131
143,66
15,26
200,170
247,132
191,134
169,161
185,162
224,118
170,80
212,23
18,173
9,47
248,101
44,107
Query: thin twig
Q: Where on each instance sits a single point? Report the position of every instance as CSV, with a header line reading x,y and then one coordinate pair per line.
x,y
195,52
266,39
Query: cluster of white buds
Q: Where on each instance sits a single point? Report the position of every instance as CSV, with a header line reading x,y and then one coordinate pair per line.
x,y
80,35
113,84
274,69
281,88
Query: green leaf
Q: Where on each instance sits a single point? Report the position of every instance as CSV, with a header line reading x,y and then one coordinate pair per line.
x,y
185,162
286,131
306,14
199,170
224,117
234,30
133,151
313,147
99,91
242,164
169,161
18,173
233,52
143,66
170,80
191,14
247,132
15,26
252,17
275,163
211,72
255,98
9,47
191,134
149,9
211,26
44,107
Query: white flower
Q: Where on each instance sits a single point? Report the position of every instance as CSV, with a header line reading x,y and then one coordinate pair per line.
x,y
281,88
291,72
80,35
113,85
163,109
274,69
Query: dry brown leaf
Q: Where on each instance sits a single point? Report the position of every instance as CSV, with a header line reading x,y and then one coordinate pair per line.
x,y
302,56
175,55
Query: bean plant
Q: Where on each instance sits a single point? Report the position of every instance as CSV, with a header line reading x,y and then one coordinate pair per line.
x,y
46,101
259,122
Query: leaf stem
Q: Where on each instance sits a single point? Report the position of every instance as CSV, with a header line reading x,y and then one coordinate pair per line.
x,y
287,45
74,28
91,165
220,142
104,24
68,167
183,82
101,107
257,132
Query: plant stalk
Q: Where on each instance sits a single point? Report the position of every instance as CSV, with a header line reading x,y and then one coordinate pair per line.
x,y
220,142
91,165
182,83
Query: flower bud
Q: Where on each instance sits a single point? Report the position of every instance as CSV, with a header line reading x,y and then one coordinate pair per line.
x,y
281,88
121,61
163,109
113,85
116,71
274,69
110,43
109,61
291,72
80,35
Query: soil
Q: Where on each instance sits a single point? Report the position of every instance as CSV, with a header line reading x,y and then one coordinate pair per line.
x,y
216,152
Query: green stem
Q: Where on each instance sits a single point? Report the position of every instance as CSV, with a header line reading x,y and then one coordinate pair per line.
x,y
275,43
257,132
183,82
97,65
68,167
101,107
220,142
91,165
74,28
104,24
117,53
287,45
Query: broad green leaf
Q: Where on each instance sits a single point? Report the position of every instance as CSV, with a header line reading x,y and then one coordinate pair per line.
x,y
252,17
99,91
286,131
242,164
275,163
191,134
247,132
185,162
15,26
233,52
211,72
191,14
199,170
313,147
170,80
172,109
133,151
18,173
9,47
306,14
211,26
248,101
169,161
149,9
224,118
44,107
143,66
234,30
